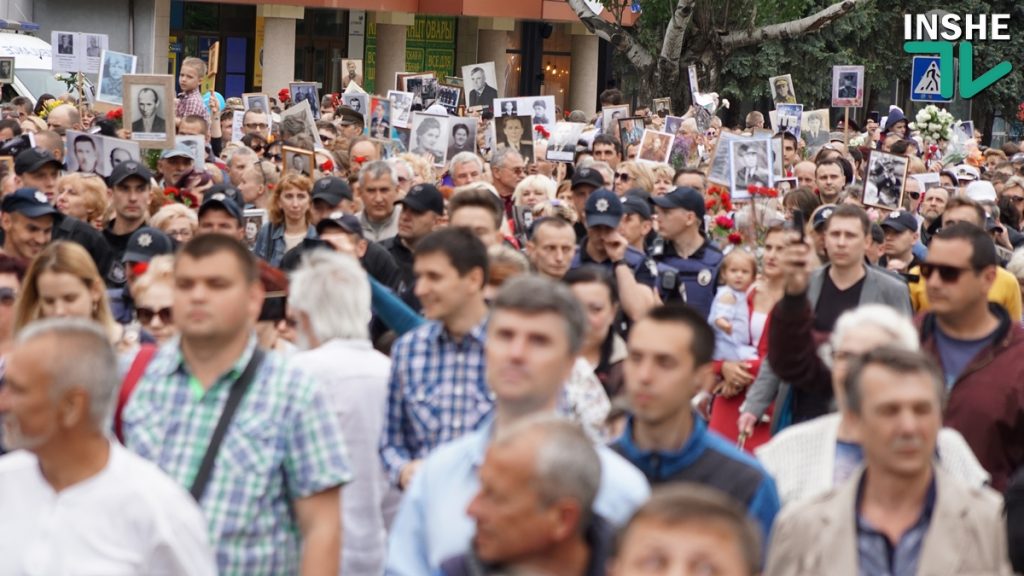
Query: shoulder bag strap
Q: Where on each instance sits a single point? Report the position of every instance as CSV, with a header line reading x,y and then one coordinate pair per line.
x,y
138,368
234,399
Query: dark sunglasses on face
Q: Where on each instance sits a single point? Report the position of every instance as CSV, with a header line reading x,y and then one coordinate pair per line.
x,y
146,315
8,296
914,195
622,176
947,273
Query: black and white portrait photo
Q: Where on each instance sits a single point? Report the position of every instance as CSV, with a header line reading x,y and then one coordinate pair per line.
x,y
85,152
423,88
514,132
298,119
461,136
358,102
450,97
429,137
884,180
65,44
610,116
148,117
297,160
118,151
7,70
814,128
401,108
93,45
563,141
481,84
847,86
782,89
114,66
256,101
149,109
750,165
508,107
786,118
662,107
351,71
305,92
253,219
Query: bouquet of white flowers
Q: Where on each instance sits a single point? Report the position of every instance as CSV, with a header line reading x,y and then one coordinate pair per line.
x,y
933,124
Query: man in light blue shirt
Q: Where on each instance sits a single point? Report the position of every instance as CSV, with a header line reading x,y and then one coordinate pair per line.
x,y
533,337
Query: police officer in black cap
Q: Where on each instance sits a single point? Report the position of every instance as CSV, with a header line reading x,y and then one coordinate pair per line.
x,y
692,260
220,214
27,222
584,182
143,245
130,193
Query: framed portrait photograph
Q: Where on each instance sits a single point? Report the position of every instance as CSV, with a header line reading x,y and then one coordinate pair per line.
x,y
719,171
428,137
306,92
671,124
7,70
256,101
299,120
84,152
563,141
782,89
116,151
662,107
655,146
423,87
236,125
358,102
149,109
213,59
885,180
401,108
786,118
610,117
966,128
253,220
449,96
351,71
778,168
750,161
297,160
481,84
379,125
461,136
814,128
515,132
631,130
114,66
847,86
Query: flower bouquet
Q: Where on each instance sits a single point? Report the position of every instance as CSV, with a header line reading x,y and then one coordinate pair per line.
x,y
935,125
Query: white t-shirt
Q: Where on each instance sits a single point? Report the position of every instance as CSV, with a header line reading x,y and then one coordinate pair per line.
x,y
129,519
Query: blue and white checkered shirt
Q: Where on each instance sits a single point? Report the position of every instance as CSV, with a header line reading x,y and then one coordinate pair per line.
x,y
438,392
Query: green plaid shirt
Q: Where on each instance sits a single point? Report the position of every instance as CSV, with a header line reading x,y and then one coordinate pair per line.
x,y
283,444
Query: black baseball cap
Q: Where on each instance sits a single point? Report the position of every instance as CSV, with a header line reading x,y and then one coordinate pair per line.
x,y
587,176
900,221
126,170
603,208
822,214
147,242
28,202
33,159
222,201
424,198
348,116
228,190
636,204
332,190
683,197
346,222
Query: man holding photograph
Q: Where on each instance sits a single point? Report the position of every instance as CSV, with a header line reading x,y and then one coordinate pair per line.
x,y
149,121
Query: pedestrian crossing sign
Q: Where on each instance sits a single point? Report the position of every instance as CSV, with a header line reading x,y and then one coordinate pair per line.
x,y
925,80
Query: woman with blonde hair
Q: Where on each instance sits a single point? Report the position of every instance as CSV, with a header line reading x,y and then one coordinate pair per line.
x,y
290,215
63,282
631,174
422,171
663,175
533,190
153,293
82,196
177,221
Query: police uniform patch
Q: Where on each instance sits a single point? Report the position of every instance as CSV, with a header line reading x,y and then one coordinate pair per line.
x,y
40,197
117,275
704,277
145,240
602,205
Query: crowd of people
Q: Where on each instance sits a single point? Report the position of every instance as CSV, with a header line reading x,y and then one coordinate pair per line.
x,y
504,364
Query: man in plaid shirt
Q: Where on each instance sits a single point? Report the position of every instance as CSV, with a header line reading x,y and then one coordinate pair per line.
x,y
272,503
190,101
438,390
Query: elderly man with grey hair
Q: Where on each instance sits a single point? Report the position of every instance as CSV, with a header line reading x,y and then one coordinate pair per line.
x,y
508,168
239,159
533,337
329,301
75,501
533,512
466,168
378,189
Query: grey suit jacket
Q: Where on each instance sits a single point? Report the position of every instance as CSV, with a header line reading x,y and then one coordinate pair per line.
x,y
879,288
966,536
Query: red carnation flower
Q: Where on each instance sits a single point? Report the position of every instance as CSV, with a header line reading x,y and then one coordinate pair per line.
x,y
115,114
723,221
735,238
283,95
709,203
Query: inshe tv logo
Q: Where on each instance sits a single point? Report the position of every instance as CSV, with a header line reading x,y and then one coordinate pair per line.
x,y
938,34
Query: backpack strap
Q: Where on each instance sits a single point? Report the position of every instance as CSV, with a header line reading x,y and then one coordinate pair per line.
x,y
131,380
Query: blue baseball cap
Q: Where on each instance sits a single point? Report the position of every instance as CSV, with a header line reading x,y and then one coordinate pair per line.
x,y
603,208
28,202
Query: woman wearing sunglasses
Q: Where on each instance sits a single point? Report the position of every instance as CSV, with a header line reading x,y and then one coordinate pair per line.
x,y
154,296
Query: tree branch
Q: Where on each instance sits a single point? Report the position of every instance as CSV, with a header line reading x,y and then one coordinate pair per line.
x,y
789,29
675,34
620,38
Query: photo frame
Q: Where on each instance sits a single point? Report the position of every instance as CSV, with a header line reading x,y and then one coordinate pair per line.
x,y
236,125
298,160
118,150
462,134
662,107
77,51
256,101
786,118
428,137
563,142
213,59
847,86
480,84
671,124
885,178
610,116
749,164
782,89
7,70
401,108
84,153
966,128
151,123
300,118
351,71
379,125
655,146
514,132
631,130
814,128
305,92
778,162
252,222
114,66
423,87
449,96
719,171
360,102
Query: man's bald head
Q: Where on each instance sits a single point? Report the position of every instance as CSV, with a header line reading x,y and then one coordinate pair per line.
x,y
63,118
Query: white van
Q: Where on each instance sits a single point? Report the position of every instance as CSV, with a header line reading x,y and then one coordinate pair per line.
x,y
33,73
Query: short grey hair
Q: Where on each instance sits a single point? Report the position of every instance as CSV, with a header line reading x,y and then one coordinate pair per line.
x,y
534,294
334,291
466,158
566,464
901,361
377,169
83,358
898,327
500,156
242,151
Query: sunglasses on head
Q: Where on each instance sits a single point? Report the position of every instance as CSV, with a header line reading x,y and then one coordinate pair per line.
x,y
8,296
146,315
947,273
